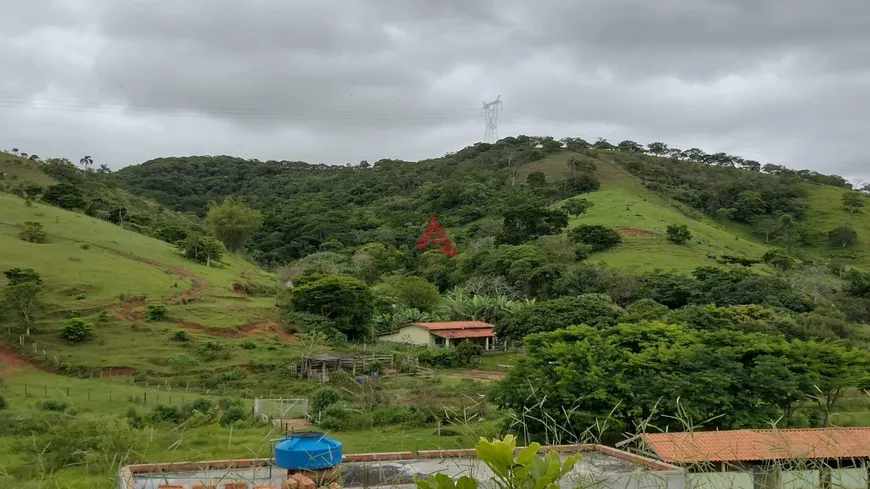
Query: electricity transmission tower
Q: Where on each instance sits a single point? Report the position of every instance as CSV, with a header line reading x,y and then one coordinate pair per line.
x,y
490,115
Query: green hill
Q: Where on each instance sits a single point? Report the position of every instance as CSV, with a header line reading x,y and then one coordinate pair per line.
x,y
641,217
109,276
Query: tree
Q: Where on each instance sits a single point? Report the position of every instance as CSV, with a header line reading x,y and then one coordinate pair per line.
x,y
678,234
17,276
32,232
858,283
77,330
86,162
201,248
842,236
528,222
778,259
815,282
577,206
233,222
536,179
834,369
602,144
581,165
347,301
657,148
412,292
22,300
629,146
590,309
598,237
853,201
767,227
65,196
580,183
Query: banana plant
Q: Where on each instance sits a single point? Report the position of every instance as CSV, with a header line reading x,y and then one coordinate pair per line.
x,y
528,470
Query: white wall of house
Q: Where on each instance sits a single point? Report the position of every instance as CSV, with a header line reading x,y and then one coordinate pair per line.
x,y
412,334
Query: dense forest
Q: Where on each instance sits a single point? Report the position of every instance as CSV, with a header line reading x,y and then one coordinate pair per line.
x,y
307,206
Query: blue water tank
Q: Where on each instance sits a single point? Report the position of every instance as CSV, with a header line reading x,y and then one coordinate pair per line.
x,y
307,450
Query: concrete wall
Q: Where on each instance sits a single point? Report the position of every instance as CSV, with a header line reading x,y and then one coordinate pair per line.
x,y
788,479
414,335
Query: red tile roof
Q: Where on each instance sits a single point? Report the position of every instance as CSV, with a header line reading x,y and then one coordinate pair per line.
x,y
463,333
433,326
750,445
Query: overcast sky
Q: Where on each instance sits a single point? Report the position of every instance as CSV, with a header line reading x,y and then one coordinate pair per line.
x,y
337,81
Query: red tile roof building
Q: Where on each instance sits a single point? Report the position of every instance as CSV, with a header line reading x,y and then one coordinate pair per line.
x,y
758,445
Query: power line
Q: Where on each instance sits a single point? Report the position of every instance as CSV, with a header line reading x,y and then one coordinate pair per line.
x,y
242,113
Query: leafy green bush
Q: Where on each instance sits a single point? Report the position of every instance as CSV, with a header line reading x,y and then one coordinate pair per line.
x,y
323,398
678,233
32,232
234,374
3,403
391,415
212,350
77,330
599,238
182,361
233,414
462,355
52,405
201,248
166,414
157,313
180,335
248,345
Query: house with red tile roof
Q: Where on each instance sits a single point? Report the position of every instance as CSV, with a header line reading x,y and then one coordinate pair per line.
x,y
768,459
444,334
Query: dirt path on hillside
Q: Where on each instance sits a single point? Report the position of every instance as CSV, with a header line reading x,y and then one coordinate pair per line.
x,y
10,361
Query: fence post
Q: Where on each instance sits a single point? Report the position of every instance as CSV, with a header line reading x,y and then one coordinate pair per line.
x,y
145,397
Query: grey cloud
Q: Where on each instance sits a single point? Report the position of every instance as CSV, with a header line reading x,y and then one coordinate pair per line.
x,y
776,80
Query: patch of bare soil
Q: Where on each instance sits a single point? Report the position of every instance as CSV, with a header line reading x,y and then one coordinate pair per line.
x,y
634,232
10,361
477,374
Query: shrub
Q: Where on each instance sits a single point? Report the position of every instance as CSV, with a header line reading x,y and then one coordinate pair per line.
x,y
32,232
3,403
52,405
678,234
230,402
202,405
779,260
391,415
598,237
212,350
85,246
157,313
463,355
248,345
233,414
234,374
163,414
324,397
182,361
77,330
581,252
201,248
180,335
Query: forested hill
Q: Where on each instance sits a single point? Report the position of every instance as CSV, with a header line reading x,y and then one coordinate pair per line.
x,y
309,208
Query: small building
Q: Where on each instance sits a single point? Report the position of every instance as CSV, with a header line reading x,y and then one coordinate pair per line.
x,y
768,459
446,334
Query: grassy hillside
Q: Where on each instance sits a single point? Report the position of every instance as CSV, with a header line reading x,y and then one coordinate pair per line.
x,y
826,212
641,217
109,276
15,171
